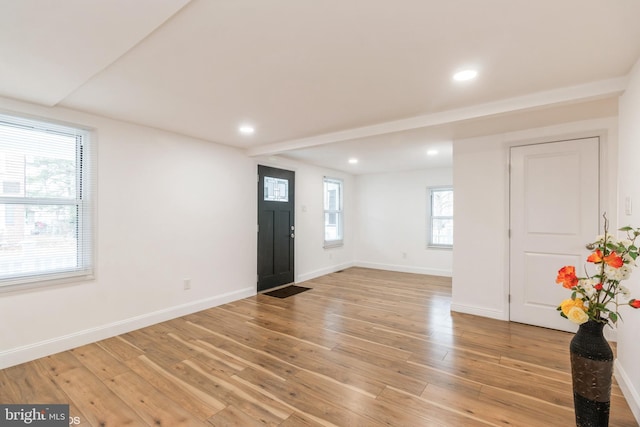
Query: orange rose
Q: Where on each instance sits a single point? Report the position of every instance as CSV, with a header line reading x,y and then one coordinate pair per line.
x,y
567,276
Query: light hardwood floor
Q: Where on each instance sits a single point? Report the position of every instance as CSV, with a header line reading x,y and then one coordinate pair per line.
x,y
362,348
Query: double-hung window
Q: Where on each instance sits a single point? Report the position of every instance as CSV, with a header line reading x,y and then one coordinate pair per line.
x,y
45,211
440,217
333,213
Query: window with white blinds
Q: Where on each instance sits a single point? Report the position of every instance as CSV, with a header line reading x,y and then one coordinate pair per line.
x,y
45,210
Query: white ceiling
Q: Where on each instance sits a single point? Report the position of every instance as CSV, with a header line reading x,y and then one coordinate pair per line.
x,y
323,80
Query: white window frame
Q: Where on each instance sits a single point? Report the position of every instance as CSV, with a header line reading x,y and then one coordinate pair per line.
x,y
431,217
339,213
82,202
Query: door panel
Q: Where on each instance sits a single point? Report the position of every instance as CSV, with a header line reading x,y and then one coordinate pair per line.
x,y
554,196
266,223
283,244
276,194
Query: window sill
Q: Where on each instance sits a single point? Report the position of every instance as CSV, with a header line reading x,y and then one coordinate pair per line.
x,y
448,248
46,280
332,245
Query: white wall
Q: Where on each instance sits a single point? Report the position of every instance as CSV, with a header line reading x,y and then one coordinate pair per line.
x,y
169,207
311,259
481,184
627,367
391,230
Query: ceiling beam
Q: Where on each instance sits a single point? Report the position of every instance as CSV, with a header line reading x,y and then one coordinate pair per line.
x,y
567,95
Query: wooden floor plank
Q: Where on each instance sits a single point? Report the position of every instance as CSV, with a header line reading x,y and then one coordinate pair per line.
x,y
200,408
120,348
233,417
434,412
31,383
153,407
232,392
306,400
361,348
99,361
99,405
299,420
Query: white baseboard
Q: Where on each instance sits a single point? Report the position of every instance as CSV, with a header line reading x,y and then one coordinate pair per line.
x,y
321,272
404,268
628,389
479,311
15,356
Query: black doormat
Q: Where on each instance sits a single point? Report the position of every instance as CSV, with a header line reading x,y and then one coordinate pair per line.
x,y
287,291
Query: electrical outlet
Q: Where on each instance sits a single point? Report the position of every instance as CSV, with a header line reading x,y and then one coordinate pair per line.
x,y
187,284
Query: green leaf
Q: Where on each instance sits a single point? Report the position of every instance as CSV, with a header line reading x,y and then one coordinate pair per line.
x,y
613,317
627,228
563,315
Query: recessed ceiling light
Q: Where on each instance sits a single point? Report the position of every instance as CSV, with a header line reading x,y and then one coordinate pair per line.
x,y
246,129
353,161
432,152
464,75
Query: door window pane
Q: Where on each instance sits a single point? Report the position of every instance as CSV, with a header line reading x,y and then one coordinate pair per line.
x,y
276,189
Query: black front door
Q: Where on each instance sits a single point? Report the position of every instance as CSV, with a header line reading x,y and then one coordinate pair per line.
x,y
276,230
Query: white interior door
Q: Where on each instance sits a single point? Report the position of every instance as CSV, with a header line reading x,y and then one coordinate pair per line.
x,y
554,214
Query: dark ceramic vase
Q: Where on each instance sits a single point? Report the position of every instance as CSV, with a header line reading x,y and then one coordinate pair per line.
x,y
591,371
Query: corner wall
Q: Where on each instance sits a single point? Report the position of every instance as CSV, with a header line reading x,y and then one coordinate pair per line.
x,y
169,207
392,222
481,184
311,259
627,367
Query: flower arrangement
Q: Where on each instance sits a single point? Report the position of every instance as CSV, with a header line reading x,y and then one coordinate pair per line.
x,y
597,296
